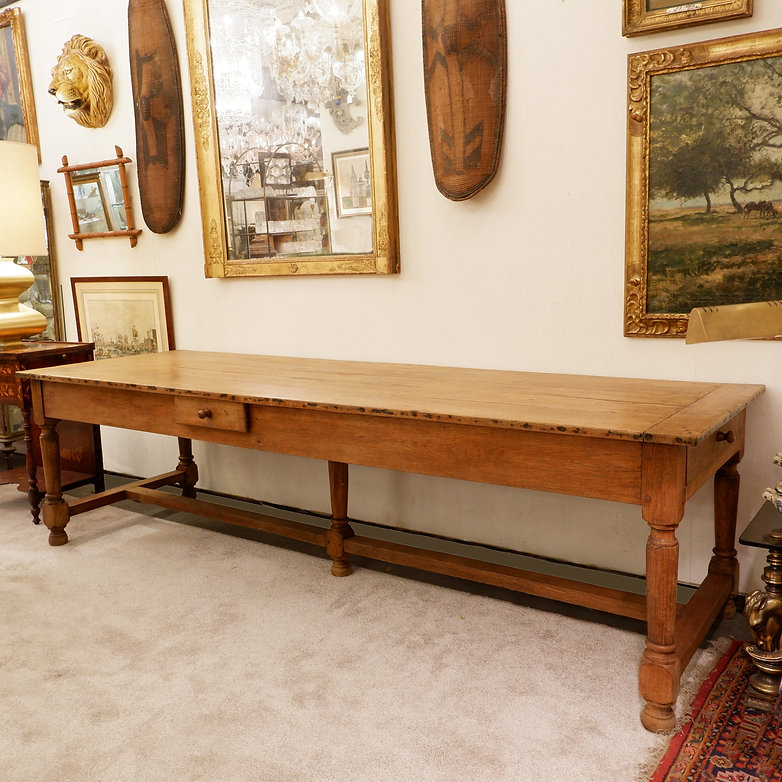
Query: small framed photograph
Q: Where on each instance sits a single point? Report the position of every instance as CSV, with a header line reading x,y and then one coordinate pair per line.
x,y
704,193
650,16
17,109
352,182
123,316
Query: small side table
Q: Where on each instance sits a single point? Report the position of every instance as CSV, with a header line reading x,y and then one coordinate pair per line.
x,y
80,445
764,608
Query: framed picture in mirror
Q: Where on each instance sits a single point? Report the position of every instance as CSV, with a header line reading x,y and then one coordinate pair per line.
x,y
352,182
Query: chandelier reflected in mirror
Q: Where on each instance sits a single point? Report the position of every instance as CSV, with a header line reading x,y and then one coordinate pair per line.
x,y
311,55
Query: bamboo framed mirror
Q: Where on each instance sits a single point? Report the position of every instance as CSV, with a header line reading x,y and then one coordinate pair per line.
x,y
280,87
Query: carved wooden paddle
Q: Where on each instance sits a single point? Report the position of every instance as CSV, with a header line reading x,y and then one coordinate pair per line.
x,y
465,64
157,101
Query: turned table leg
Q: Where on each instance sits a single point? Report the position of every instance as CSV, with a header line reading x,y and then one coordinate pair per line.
x,y
340,528
188,466
56,512
33,494
663,497
726,503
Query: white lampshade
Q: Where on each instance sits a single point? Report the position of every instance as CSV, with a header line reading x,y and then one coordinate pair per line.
x,y
22,228
22,232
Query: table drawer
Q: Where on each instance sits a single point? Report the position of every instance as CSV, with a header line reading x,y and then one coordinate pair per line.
x,y
211,414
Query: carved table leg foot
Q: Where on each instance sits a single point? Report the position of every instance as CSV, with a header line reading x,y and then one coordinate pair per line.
x,y
56,512
340,529
188,466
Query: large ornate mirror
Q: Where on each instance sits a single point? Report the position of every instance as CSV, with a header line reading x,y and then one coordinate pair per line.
x,y
294,136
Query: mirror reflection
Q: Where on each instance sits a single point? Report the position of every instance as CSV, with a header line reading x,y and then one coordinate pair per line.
x,y
290,91
302,145
99,203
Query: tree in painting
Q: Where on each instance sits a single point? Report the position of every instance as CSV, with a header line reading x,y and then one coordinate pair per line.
x,y
715,180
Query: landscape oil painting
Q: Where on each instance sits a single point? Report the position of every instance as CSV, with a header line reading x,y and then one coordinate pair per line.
x,y
705,227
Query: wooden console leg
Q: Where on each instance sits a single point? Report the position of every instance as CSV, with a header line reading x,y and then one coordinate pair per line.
x,y
726,503
56,512
340,528
664,474
189,467
33,494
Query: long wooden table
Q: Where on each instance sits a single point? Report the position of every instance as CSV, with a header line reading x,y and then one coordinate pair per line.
x,y
651,443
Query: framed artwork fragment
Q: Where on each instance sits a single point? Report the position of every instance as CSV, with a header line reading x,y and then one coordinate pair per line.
x,y
352,182
650,16
704,180
123,316
17,108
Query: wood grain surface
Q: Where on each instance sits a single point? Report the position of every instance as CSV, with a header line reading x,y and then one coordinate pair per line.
x,y
465,64
157,102
663,411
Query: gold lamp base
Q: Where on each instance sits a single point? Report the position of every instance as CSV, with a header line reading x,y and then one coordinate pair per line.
x,y
17,320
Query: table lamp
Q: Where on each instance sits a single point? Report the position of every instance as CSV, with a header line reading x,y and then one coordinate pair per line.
x,y
22,232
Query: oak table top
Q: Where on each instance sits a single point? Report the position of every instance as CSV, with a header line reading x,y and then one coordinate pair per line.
x,y
661,411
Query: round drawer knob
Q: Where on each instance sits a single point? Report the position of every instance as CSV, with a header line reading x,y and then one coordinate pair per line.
x,y
204,413
727,437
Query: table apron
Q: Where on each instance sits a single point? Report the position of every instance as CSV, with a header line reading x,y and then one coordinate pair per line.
x,y
583,466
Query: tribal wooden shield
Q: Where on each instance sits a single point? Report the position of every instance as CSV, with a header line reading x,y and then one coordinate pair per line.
x,y
465,63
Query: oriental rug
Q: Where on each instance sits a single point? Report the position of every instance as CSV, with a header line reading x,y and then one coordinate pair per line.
x,y
725,739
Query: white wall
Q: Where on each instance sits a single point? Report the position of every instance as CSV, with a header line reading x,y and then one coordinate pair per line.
x,y
503,280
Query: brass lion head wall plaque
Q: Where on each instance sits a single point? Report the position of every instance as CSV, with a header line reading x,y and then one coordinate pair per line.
x,y
81,82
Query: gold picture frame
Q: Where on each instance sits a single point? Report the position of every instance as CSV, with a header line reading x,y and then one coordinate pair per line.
x,y
650,16
704,195
233,209
17,107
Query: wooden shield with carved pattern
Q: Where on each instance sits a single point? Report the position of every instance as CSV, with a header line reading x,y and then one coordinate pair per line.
x,y
160,123
465,64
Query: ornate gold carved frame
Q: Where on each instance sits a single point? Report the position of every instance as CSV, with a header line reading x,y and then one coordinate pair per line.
x,y
642,16
384,256
642,69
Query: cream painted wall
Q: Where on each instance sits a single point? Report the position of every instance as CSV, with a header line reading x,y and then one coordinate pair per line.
x,y
528,275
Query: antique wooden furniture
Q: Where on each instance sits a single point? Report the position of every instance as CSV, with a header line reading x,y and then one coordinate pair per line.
x,y
651,443
160,118
81,450
465,65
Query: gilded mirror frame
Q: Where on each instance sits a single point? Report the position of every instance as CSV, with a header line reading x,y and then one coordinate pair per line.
x,y
384,257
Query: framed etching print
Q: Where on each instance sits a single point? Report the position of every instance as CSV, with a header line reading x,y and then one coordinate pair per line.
x,y
352,182
704,180
649,16
123,316
17,109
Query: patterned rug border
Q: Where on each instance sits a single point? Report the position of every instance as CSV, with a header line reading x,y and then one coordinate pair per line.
x,y
680,736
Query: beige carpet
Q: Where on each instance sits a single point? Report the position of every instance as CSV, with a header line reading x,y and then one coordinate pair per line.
x,y
151,650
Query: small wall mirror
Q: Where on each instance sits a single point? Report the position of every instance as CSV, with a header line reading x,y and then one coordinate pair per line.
x,y
295,148
99,200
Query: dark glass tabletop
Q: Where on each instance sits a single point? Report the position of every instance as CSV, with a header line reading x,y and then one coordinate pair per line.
x,y
765,529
